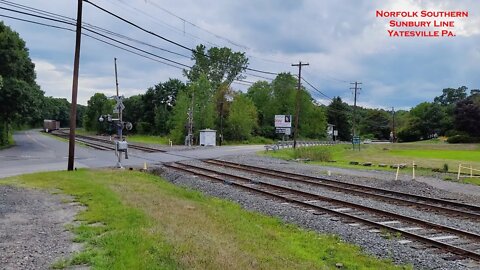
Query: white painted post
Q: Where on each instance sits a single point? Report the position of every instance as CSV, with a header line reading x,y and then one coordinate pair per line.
x,y
413,171
471,171
170,142
459,169
329,173
398,169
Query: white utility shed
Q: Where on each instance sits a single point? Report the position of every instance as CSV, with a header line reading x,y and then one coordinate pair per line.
x,y
208,137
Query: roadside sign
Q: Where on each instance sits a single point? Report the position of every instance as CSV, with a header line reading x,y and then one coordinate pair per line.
x,y
356,140
286,131
283,121
335,133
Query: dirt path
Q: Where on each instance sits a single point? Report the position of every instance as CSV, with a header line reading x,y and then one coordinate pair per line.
x,y
32,228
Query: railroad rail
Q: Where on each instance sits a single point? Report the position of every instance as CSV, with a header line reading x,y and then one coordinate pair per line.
x,y
455,209
97,146
462,243
85,139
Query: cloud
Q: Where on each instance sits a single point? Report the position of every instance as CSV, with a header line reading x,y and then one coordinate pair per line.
x,y
342,40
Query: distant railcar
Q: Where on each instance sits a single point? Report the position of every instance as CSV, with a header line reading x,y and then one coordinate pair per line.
x,y
50,125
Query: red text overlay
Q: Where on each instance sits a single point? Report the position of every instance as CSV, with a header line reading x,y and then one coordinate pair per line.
x,y
422,23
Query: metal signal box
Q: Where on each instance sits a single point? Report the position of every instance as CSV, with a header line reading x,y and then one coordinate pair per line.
x,y
122,146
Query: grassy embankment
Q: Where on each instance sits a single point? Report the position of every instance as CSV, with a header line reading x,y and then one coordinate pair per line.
x,y
149,223
427,155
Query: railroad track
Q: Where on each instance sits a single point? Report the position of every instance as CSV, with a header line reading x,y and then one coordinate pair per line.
x,y
454,209
91,144
446,239
87,140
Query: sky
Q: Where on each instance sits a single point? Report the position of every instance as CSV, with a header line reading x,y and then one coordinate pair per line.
x,y
343,41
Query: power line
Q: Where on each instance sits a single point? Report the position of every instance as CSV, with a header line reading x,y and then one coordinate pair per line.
x,y
241,82
92,37
97,33
71,20
323,94
133,47
194,25
162,37
139,27
185,33
88,27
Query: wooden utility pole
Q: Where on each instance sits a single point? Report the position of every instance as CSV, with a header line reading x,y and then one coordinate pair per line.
x,y
297,106
73,108
356,89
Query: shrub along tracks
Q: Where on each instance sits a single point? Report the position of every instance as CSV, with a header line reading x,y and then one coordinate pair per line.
x,y
455,243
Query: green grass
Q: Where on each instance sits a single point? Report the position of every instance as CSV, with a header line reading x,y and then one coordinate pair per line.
x,y
152,224
252,140
149,139
427,156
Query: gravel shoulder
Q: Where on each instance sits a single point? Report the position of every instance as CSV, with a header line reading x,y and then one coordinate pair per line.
x,y
372,243
32,228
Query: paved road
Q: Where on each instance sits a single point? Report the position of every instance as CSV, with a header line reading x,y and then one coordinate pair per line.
x,y
35,152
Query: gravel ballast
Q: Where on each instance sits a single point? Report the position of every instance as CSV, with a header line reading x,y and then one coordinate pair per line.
x,y
32,228
372,243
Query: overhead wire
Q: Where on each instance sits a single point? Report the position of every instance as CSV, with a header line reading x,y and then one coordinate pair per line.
x,y
97,33
238,81
194,25
318,91
158,21
90,36
162,37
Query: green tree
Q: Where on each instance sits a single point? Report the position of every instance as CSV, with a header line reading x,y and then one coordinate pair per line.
x,y
20,96
198,94
98,105
242,118
313,122
423,120
467,114
134,110
375,123
157,106
284,93
56,109
165,99
337,114
451,95
219,65
261,94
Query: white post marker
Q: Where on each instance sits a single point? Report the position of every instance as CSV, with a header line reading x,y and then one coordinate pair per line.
x,y
471,171
398,169
459,169
413,171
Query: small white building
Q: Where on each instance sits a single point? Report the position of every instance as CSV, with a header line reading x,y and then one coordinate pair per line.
x,y
208,137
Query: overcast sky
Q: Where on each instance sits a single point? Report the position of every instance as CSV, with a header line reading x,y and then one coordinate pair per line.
x,y
342,40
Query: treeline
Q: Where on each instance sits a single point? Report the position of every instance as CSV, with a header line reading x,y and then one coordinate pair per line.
x,y
163,109
208,96
455,114
22,103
